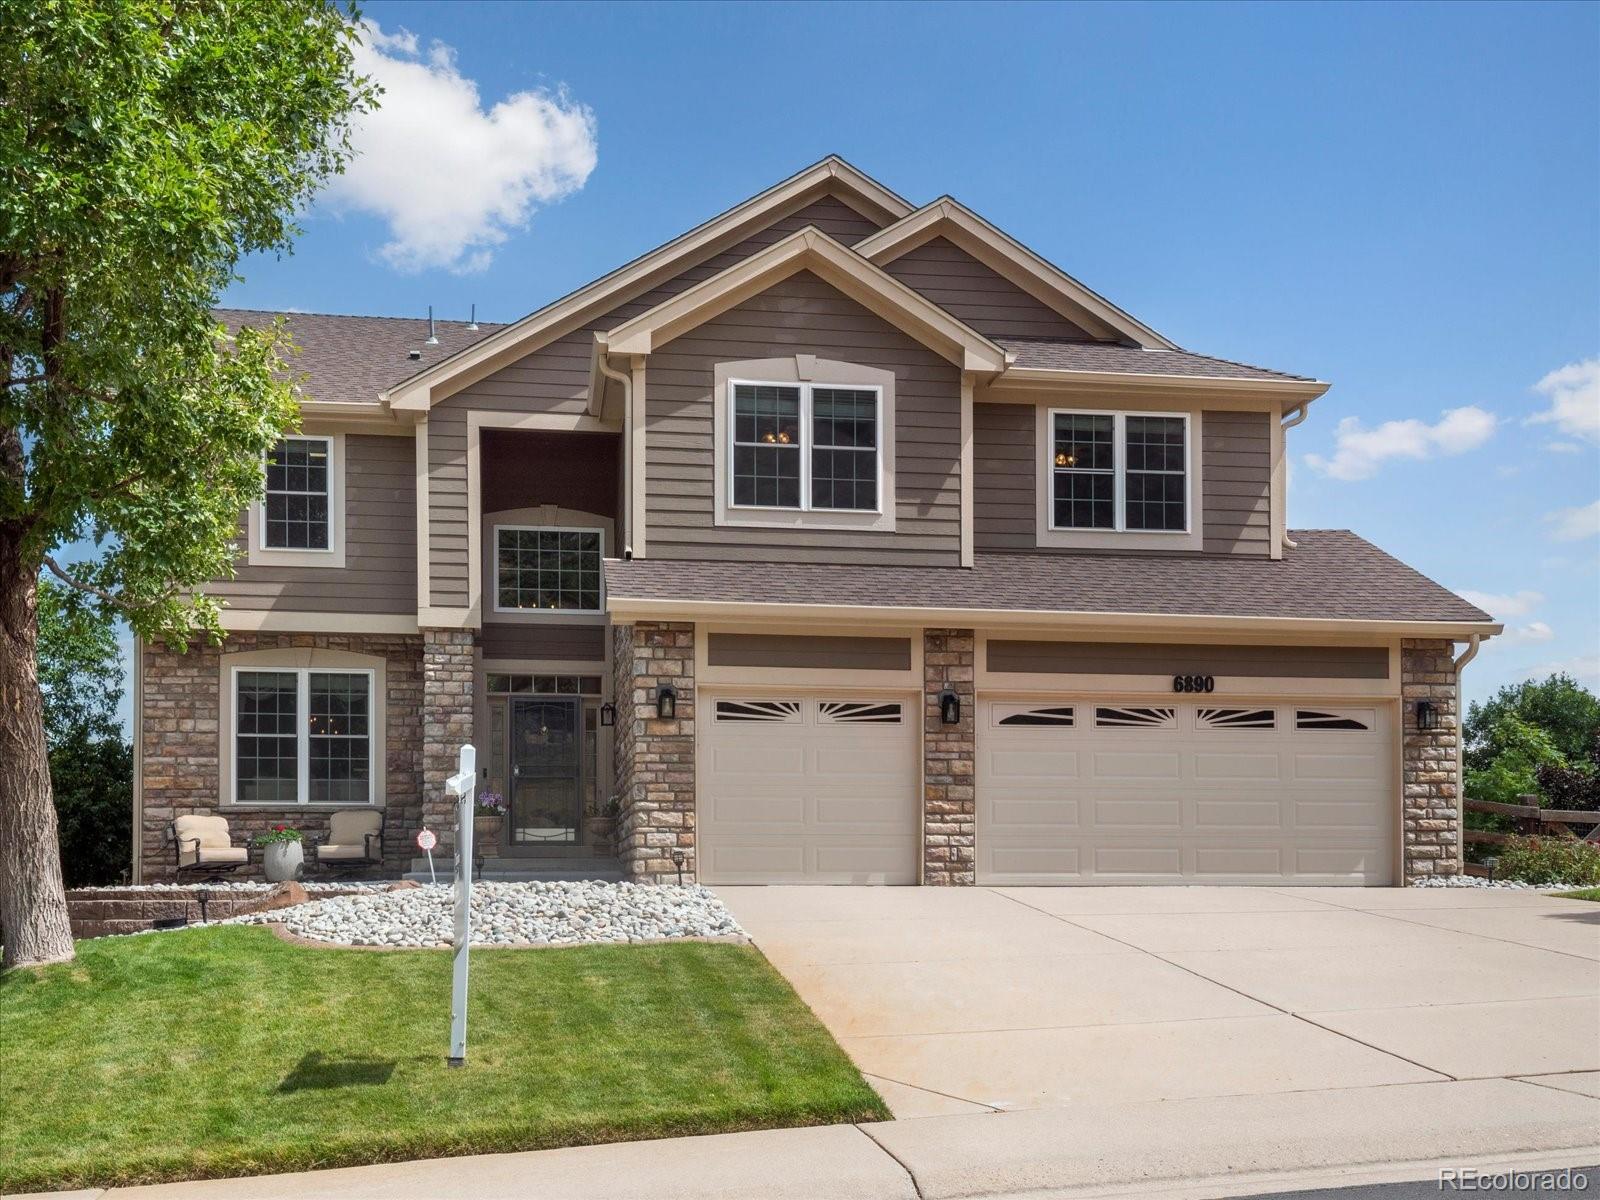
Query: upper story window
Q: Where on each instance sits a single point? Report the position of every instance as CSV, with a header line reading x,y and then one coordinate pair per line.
x,y
1119,472
297,514
548,568
807,447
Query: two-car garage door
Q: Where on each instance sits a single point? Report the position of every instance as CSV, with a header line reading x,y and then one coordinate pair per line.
x,y
1214,792
811,788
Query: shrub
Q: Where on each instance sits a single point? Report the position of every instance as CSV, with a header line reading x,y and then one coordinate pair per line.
x,y
1546,860
1574,788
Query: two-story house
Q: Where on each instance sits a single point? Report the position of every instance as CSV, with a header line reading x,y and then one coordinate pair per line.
x,y
836,540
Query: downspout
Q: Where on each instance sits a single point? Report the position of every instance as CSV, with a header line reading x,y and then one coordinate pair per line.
x,y
626,380
1300,411
1467,655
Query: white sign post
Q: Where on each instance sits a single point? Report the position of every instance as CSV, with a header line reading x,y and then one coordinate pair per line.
x,y
460,785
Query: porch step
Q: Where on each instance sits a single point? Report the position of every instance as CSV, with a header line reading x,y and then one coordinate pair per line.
x,y
526,870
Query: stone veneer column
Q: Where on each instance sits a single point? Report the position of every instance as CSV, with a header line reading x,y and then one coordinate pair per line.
x,y
448,666
949,754
654,758
1429,762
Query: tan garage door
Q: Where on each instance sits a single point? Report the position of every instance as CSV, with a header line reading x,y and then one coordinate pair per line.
x,y
808,789
1217,792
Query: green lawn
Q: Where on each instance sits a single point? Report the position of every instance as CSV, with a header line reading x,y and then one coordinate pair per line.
x,y
229,1052
1581,894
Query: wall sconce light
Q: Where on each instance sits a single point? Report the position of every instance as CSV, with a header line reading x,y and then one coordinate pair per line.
x,y
666,702
608,715
1427,716
949,707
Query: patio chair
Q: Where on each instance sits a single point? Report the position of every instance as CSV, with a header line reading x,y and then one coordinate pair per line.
x,y
204,846
354,840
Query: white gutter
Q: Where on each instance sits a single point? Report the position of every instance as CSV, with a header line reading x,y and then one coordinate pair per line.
x,y
616,376
1301,411
1475,642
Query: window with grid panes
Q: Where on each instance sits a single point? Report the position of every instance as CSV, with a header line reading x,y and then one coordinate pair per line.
x,y
548,569
295,513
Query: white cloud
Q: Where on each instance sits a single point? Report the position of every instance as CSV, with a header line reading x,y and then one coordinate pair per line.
x,y
1585,668
1574,524
1563,447
1533,631
1574,395
451,179
1359,452
1502,607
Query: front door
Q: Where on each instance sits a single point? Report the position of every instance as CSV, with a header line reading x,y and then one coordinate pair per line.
x,y
546,768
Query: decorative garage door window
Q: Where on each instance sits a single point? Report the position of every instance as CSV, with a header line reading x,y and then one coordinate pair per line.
x,y
853,712
1236,718
784,712
1136,718
1059,716
1339,719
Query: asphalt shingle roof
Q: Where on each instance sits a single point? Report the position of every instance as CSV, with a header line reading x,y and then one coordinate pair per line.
x,y
1055,354
1332,574
352,359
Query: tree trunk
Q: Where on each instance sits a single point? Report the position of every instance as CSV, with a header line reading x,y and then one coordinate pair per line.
x,y
33,905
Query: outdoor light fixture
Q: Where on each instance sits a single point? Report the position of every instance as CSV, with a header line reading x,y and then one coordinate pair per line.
x,y
666,702
1427,716
677,861
608,715
949,707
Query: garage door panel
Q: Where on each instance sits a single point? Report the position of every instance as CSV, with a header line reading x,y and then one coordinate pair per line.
x,y
1036,764
826,794
1240,816
1191,791
1237,765
1039,863
1145,812
1218,863
1110,766
1142,861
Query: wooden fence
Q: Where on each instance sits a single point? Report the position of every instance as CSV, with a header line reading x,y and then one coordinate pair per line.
x,y
1527,819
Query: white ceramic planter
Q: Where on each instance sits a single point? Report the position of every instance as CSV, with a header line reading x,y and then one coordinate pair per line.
x,y
282,861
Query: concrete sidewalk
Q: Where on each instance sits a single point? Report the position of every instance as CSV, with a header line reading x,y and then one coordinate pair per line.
x,y
1186,1148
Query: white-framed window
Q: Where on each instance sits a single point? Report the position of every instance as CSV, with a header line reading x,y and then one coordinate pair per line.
x,y
297,510
302,735
805,447
548,568
1119,472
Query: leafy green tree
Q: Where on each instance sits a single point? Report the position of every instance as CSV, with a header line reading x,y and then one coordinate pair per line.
x,y
146,147
91,762
1515,750
1559,705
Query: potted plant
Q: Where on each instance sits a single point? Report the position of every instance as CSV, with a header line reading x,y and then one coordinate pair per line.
x,y
282,855
488,815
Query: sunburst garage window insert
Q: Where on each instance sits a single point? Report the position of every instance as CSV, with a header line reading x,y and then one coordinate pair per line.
x,y
1120,472
806,447
542,569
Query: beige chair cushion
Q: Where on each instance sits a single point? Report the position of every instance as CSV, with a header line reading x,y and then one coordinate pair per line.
x,y
341,853
223,854
212,834
351,828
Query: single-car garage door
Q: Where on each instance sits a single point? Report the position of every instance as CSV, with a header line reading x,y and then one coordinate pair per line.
x,y
1133,792
808,789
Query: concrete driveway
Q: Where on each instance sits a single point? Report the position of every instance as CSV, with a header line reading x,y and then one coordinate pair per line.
x,y
972,1000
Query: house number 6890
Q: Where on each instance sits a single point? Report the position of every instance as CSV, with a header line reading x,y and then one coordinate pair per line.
x,y
1194,683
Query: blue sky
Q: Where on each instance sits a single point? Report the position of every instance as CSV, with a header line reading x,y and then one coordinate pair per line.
x,y
1399,199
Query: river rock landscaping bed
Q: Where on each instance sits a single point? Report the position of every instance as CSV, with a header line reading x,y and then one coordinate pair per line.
x,y
1477,881
510,914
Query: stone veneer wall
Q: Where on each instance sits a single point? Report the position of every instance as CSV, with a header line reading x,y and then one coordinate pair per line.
x,y
181,743
1429,762
654,758
449,663
949,756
